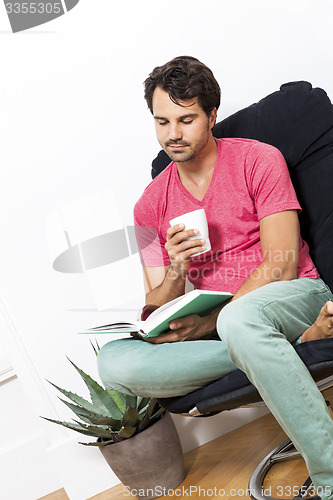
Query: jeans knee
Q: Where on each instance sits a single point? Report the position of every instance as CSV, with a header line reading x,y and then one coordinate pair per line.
x,y
237,326
113,367
225,321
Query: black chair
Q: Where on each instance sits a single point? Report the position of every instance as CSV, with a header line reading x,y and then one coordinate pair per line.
x,y
298,120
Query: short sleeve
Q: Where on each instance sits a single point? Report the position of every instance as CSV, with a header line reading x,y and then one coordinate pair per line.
x,y
149,240
269,181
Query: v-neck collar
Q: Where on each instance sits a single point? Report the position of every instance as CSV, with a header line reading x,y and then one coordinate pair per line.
x,y
210,187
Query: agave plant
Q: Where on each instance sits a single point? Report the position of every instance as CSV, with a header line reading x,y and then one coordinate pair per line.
x,y
110,416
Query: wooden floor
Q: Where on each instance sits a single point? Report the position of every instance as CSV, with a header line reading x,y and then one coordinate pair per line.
x,y
227,464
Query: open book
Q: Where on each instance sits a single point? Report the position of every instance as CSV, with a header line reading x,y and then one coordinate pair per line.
x,y
200,302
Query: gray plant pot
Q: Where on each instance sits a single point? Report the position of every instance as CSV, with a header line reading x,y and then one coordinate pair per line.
x,y
150,463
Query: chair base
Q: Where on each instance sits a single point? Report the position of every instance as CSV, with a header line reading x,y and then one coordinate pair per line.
x,y
284,451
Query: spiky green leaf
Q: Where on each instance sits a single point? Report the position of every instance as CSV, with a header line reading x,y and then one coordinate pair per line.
x,y
99,395
119,399
157,414
82,402
142,403
110,422
126,432
96,430
94,348
154,411
151,407
143,412
73,427
131,400
130,418
99,443
92,418
79,411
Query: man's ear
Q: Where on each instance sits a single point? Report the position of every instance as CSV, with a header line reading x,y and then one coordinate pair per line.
x,y
212,118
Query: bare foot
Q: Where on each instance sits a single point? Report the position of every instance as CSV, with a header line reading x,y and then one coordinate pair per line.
x,y
322,328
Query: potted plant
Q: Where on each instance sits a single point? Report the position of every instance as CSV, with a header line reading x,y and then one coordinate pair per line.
x,y
136,436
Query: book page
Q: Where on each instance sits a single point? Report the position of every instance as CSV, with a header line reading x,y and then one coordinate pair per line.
x,y
164,307
111,326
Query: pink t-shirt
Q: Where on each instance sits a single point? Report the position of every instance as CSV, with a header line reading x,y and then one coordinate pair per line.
x,y
249,182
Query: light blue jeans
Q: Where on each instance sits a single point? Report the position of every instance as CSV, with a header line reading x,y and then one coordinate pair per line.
x,y
257,332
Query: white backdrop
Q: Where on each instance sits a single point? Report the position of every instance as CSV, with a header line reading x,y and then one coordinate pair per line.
x,y
74,123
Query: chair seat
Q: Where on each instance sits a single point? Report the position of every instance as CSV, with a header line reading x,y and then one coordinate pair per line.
x,y
235,389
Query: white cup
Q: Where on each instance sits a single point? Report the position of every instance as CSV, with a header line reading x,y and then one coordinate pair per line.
x,y
195,220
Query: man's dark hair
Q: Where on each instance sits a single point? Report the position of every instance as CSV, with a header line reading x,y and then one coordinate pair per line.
x,y
184,78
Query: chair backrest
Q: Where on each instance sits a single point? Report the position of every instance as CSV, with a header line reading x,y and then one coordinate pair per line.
x,y
298,120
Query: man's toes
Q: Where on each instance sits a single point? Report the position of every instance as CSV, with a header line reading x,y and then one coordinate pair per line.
x,y
329,308
325,319
324,312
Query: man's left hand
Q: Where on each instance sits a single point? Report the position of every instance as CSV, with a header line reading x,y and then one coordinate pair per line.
x,y
191,327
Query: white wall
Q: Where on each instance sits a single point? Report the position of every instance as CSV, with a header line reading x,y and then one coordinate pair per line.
x,y
74,122
23,451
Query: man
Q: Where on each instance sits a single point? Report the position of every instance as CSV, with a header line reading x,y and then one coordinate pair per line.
x,y
257,254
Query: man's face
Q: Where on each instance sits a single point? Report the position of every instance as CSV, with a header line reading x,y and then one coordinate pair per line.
x,y
182,130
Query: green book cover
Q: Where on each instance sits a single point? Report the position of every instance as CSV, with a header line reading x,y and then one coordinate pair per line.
x,y
200,302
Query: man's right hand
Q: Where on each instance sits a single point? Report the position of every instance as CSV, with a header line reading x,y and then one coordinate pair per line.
x,y
180,249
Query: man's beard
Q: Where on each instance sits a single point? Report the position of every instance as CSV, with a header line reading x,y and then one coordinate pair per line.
x,y
189,153
180,156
